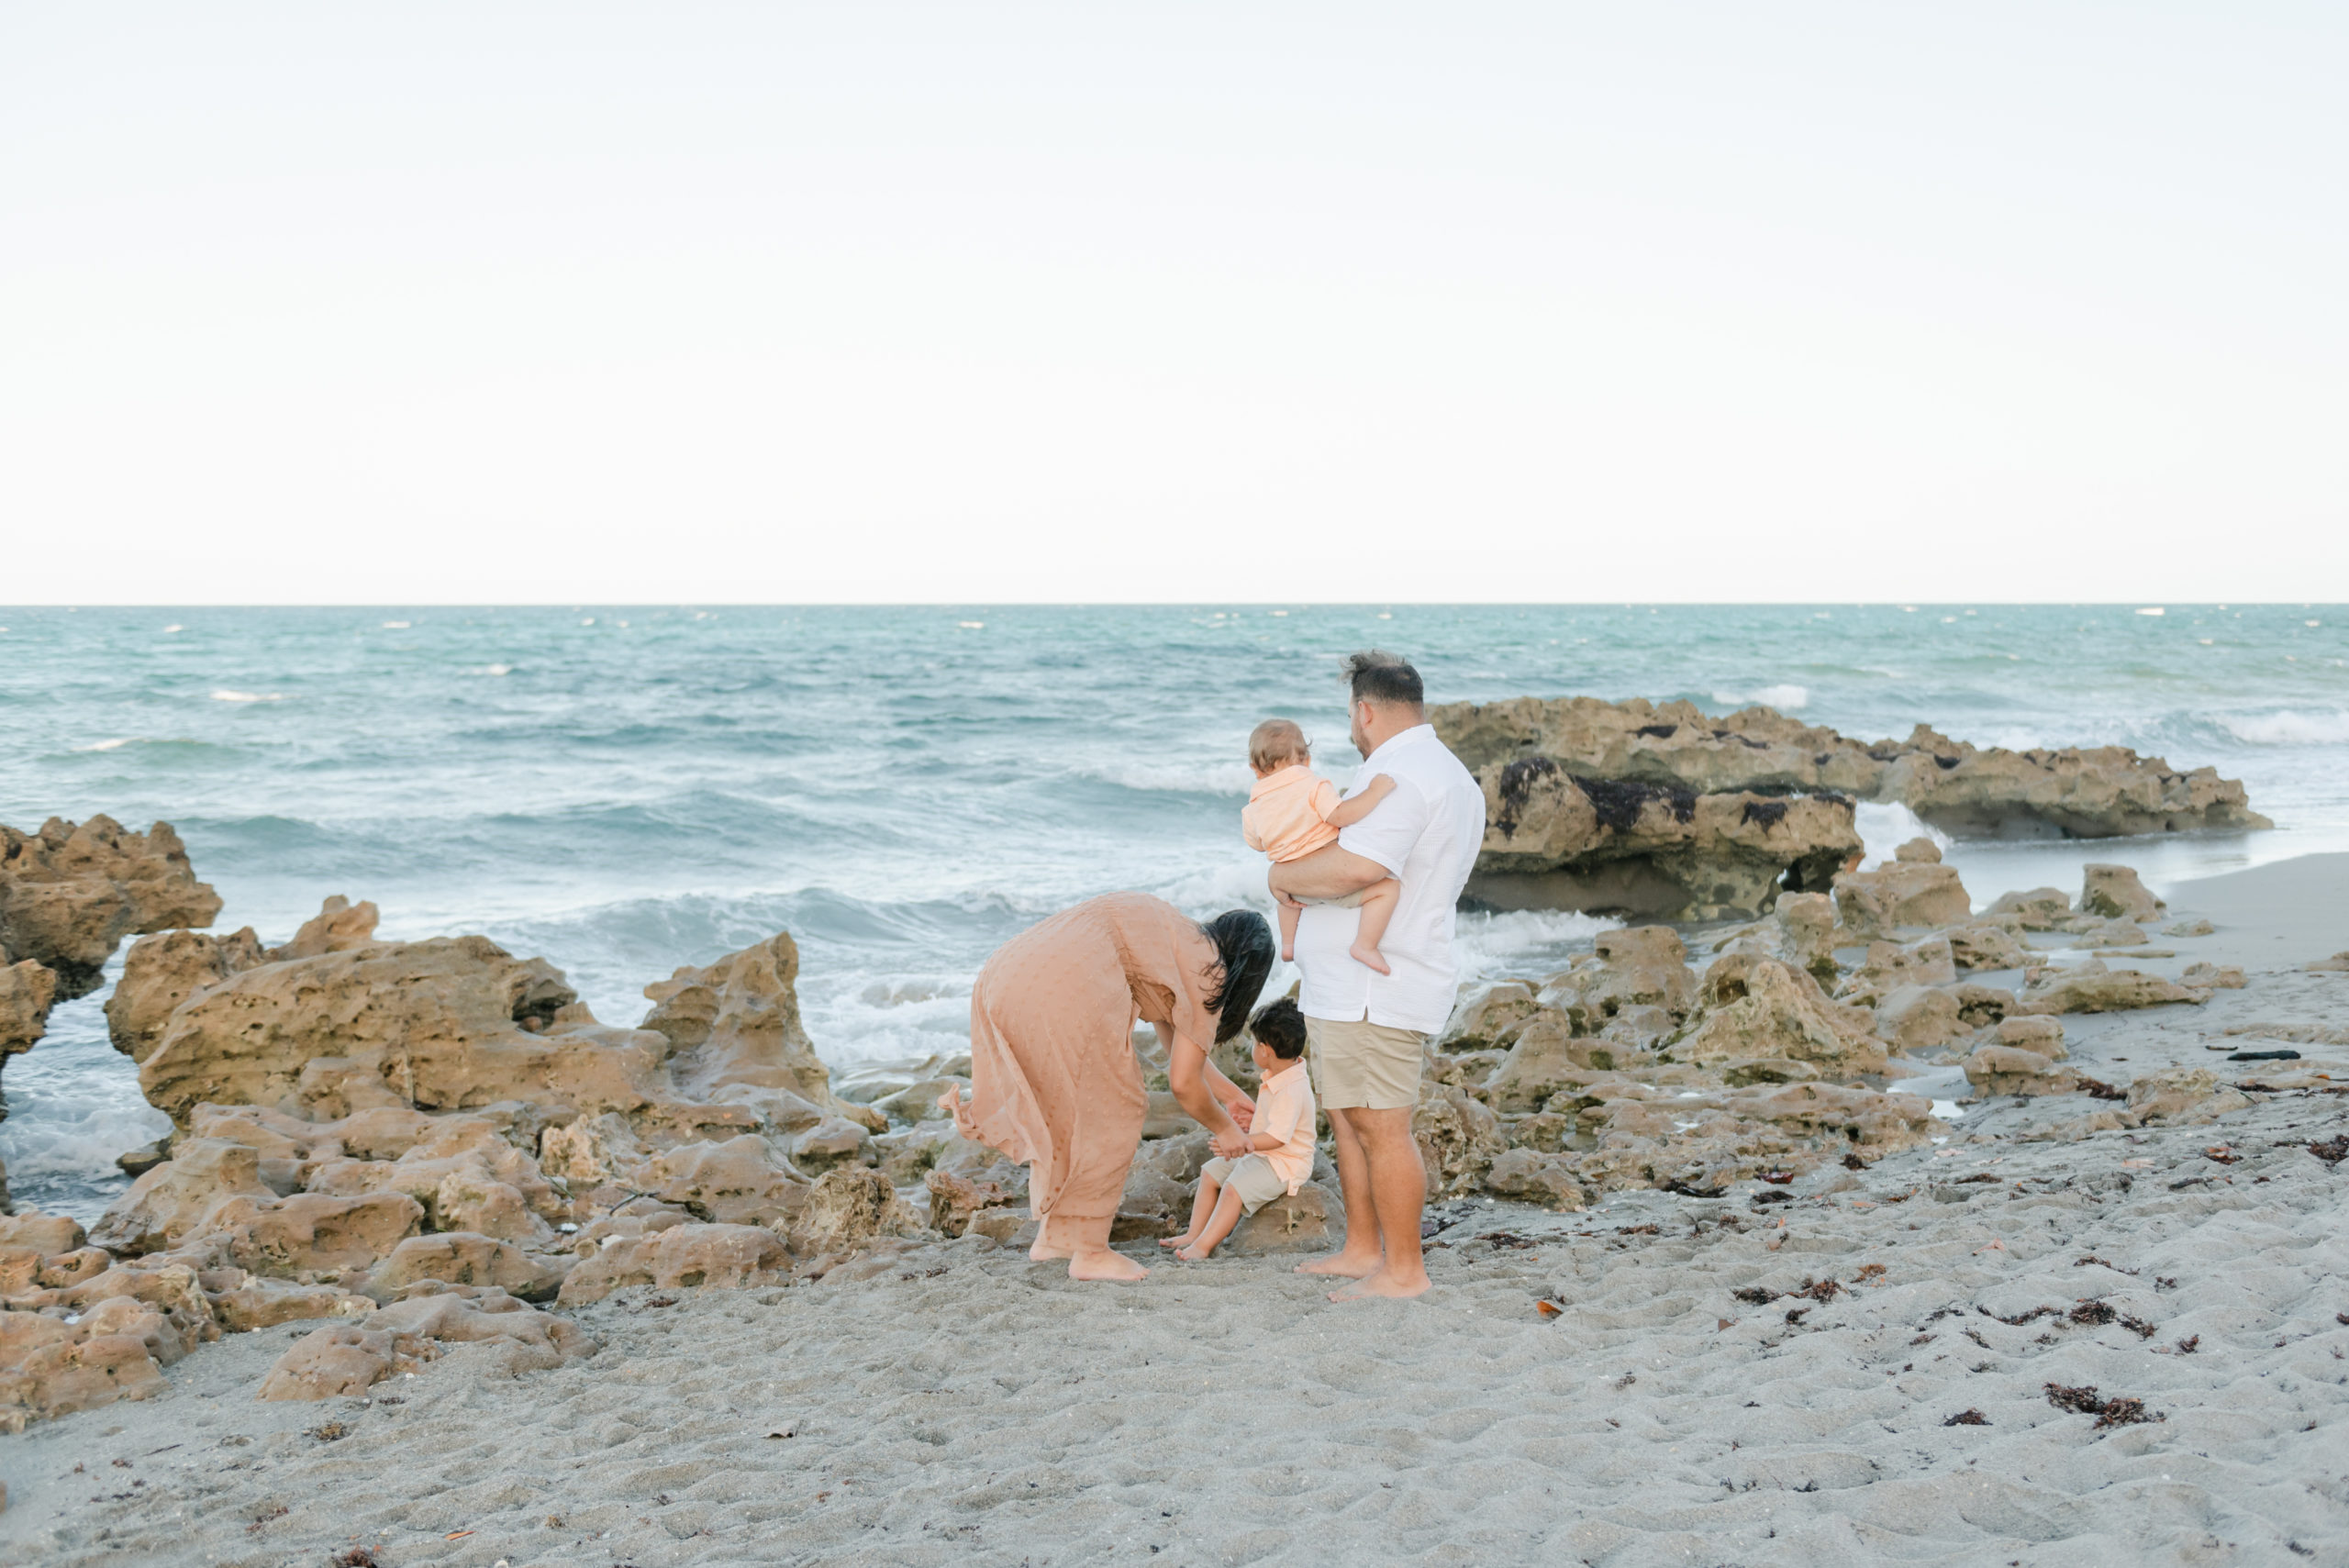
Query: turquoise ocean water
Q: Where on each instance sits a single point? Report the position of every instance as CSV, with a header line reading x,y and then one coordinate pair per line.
x,y
626,790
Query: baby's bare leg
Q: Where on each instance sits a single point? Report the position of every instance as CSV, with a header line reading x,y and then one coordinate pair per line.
x,y
1220,1224
1201,1207
1287,915
1377,907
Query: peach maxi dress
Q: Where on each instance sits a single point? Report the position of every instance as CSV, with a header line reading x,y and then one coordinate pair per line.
x,y
1055,1082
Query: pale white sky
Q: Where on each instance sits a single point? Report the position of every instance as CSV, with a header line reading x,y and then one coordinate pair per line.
x,y
694,302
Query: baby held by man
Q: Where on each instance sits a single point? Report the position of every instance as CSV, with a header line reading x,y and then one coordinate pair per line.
x,y
1293,811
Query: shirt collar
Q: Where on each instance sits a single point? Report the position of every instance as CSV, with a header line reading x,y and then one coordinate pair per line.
x,y
1401,740
1285,1074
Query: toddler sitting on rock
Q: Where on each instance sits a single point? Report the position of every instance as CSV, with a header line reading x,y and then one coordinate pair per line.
x,y
1278,1156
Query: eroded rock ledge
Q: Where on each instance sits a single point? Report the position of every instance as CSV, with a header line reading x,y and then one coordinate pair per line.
x,y
1625,804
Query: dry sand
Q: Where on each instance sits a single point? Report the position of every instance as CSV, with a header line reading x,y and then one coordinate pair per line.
x,y
956,1404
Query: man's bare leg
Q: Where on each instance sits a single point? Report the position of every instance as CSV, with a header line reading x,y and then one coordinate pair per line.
x,y
1361,1255
1399,1190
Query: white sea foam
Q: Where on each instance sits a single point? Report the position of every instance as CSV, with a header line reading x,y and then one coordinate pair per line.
x,y
490,669
2153,610
172,628
1786,698
397,625
107,745
247,696
1885,825
1524,942
1195,778
2291,728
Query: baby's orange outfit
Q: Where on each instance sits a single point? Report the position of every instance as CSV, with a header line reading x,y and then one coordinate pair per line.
x,y
1287,814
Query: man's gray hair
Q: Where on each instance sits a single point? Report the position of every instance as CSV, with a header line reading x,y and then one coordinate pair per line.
x,y
1378,677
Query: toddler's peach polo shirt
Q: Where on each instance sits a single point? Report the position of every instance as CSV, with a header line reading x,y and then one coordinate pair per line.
x,y
1287,814
1285,1108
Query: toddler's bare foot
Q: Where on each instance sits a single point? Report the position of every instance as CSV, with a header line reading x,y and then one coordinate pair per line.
x,y
1043,1252
1196,1253
1184,1239
1371,956
1104,1265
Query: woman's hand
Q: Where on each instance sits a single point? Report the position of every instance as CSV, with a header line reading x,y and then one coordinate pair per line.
x,y
1243,1111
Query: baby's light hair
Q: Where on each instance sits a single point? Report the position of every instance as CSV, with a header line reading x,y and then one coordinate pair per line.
x,y
1275,742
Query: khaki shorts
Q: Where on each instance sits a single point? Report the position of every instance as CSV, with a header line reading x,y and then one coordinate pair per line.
x,y
1251,1176
1366,1066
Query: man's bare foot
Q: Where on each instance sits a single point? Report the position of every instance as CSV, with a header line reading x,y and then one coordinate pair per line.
x,y
1104,1265
1364,955
1381,1284
1348,1265
1194,1253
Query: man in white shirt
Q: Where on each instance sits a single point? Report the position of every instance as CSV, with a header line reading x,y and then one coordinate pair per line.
x,y
1368,1032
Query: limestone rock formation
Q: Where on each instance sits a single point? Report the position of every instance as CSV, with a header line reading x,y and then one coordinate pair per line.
x,y
735,1024
2182,1097
2212,977
2033,1032
349,1359
1529,1176
724,1256
2095,793
1557,839
162,970
2093,988
1459,1138
2010,1070
70,894
1643,967
1487,1017
1758,1008
1901,897
1311,1219
2114,893
27,991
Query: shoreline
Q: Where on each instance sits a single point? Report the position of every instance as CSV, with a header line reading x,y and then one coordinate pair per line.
x,y
949,1401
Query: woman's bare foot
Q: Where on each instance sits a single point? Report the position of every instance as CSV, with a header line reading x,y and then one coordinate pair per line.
x,y
1364,955
1345,1265
1104,1265
1194,1253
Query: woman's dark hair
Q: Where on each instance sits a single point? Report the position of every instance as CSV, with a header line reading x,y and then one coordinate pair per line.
x,y
1243,950
1280,1029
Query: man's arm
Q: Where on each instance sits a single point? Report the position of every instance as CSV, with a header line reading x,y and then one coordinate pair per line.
x,y
1330,873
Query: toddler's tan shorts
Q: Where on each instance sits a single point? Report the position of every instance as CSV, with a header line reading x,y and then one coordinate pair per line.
x,y
1251,1176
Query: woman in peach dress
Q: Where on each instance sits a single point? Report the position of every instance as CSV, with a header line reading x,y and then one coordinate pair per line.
x,y
1055,1082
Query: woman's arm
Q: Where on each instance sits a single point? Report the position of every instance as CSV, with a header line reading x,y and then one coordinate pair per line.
x,y
1206,1096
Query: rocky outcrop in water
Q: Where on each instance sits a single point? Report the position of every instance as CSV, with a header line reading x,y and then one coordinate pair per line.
x,y
2091,792
69,894
1554,839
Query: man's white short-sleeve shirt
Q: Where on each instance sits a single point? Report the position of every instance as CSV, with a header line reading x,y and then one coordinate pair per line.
x,y
1426,834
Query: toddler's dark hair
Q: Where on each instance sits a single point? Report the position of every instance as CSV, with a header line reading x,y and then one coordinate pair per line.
x,y
1280,1027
